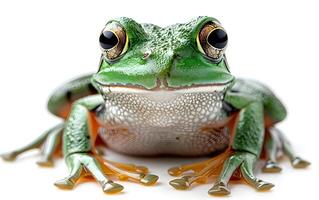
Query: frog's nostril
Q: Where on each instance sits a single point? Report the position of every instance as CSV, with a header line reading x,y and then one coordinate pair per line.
x,y
146,54
177,56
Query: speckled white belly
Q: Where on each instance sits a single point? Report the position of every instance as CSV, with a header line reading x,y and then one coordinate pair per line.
x,y
187,124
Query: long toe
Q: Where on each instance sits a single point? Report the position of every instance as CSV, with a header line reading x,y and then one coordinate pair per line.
x,y
271,167
299,163
180,184
112,188
149,179
175,171
141,169
219,189
45,163
9,156
264,186
64,184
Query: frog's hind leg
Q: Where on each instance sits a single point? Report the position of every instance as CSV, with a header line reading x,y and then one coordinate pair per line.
x,y
236,165
59,104
278,142
48,142
272,149
51,146
296,161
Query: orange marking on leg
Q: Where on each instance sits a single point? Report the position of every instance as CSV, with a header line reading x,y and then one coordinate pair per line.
x,y
93,126
64,111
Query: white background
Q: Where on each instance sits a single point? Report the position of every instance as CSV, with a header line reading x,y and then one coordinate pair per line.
x,y
45,43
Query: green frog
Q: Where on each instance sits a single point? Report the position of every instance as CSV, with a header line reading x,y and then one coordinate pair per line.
x,y
165,91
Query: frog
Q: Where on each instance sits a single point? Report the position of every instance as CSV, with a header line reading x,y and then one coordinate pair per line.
x,y
165,91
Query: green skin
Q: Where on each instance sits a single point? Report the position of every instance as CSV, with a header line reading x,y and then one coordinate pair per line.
x,y
178,63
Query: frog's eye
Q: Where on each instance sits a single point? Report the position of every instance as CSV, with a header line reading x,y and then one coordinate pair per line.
x,y
113,41
212,40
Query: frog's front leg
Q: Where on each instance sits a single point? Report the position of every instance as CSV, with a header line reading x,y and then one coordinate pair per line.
x,y
242,155
81,157
247,145
247,141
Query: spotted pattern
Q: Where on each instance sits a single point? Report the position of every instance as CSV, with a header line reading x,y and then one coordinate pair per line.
x,y
187,124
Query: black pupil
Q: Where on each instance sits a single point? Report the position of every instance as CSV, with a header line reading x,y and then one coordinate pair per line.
x,y
218,38
108,40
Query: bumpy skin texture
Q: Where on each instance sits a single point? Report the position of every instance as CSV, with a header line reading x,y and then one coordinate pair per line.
x,y
173,61
77,131
183,124
163,95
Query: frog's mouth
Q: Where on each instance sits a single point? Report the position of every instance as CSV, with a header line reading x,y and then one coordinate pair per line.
x,y
133,89
160,93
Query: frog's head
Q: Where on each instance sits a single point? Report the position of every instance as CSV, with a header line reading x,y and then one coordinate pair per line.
x,y
145,57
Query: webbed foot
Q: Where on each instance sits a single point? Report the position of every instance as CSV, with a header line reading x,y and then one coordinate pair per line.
x,y
243,162
299,163
84,164
192,173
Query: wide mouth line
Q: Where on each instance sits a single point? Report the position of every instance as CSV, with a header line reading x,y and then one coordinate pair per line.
x,y
182,90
